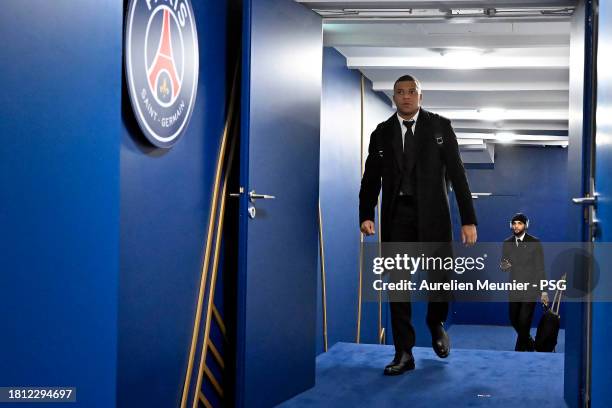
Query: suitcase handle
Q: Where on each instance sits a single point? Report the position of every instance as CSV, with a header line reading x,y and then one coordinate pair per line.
x,y
557,299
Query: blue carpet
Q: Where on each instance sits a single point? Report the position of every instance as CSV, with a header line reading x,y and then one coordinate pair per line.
x,y
491,337
350,375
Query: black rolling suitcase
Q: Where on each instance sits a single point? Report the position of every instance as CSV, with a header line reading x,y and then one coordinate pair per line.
x,y
548,327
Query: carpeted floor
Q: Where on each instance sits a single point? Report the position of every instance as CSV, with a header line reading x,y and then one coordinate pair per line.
x,y
491,337
350,375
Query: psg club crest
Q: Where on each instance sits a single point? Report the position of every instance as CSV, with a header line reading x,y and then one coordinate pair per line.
x,y
161,60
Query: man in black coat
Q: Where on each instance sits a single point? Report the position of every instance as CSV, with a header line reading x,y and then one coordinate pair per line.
x,y
413,155
523,257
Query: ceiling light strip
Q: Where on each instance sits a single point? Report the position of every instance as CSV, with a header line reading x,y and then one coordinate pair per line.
x,y
369,13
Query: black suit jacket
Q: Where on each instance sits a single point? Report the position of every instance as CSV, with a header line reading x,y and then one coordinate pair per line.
x,y
437,162
527,259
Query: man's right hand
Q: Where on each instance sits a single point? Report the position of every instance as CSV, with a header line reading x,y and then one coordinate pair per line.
x,y
367,227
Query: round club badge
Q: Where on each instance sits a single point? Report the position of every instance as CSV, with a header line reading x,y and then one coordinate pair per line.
x,y
161,60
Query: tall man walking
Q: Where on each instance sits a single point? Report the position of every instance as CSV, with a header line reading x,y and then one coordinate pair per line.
x,y
413,155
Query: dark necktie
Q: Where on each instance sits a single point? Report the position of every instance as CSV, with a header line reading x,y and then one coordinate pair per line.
x,y
409,159
409,134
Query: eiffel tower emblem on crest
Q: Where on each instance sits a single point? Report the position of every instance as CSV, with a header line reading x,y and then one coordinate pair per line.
x,y
164,62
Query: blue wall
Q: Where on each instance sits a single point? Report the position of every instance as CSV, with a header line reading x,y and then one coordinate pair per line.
x,y
165,205
339,160
515,189
338,190
104,233
527,179
59,160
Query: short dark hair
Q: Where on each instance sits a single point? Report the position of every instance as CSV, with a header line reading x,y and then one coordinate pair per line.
x,y
408,78
520,217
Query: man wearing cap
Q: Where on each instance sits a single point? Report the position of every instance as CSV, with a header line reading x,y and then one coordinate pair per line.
x,y
413,155
523,258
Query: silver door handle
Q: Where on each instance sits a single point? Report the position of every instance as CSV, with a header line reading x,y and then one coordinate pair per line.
x,y
254,196
586,200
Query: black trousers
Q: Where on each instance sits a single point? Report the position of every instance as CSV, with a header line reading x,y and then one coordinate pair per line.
x,y
521,315
404,228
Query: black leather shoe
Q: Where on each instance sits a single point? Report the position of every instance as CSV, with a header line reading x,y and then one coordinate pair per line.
x,y
440,341
401,365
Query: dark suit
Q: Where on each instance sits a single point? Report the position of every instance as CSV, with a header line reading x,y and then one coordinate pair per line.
x,y
425,215
527,260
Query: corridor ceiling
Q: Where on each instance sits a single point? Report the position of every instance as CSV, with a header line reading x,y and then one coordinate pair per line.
x,y
498,69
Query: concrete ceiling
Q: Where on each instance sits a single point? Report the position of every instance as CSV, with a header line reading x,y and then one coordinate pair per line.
x,y
498,69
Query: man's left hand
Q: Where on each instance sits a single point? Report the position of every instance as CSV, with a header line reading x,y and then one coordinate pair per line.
x,y
544,298
468,234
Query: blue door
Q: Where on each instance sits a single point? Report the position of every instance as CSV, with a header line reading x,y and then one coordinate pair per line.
x,y
601,326
280,119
